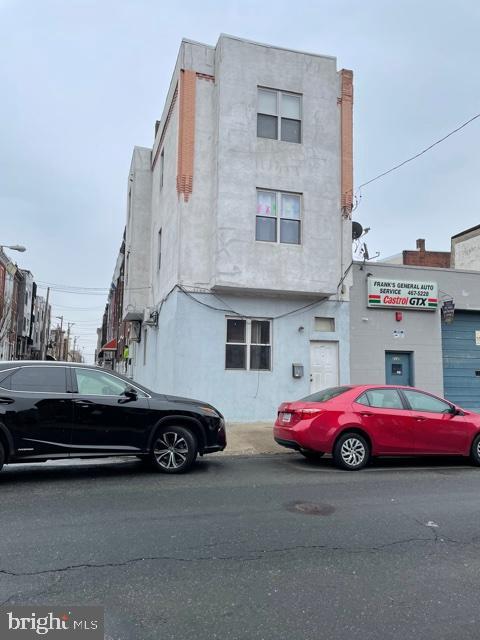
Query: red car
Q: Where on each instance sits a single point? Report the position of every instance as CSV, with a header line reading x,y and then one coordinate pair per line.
x,y
354,423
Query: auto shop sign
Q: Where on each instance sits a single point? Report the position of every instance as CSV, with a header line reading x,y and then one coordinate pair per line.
x,y
402,294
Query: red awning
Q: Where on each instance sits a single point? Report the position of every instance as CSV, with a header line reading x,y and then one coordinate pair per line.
x,y
110,346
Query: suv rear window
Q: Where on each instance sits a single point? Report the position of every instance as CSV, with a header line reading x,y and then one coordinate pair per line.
x,y
325,394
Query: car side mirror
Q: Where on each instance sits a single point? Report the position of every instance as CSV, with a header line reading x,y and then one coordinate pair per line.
x,y
455,411
130,394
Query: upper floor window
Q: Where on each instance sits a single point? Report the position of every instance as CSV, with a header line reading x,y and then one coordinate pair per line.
x,y
278,217
279,115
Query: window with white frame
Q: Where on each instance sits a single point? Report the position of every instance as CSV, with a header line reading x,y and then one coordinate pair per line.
x,y
248,344
278,217
279,115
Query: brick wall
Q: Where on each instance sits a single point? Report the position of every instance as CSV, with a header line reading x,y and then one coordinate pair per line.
x,y
423,258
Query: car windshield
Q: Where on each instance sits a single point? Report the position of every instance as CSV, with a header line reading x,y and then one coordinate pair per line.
x,y
325,394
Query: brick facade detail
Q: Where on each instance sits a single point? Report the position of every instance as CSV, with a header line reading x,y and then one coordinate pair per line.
x,y
186,133
346,146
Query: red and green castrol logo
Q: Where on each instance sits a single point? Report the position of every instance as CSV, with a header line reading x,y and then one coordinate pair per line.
x,y
402,294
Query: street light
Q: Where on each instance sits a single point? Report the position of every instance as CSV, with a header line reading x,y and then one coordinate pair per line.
x,y
13,247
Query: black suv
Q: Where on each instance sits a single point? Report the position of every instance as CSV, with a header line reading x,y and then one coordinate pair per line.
x,y
51,410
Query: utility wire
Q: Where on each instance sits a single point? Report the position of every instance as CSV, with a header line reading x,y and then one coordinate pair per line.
x,y
243,315
420,153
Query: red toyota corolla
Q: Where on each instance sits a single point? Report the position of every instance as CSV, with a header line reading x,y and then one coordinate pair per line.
x,y
354,423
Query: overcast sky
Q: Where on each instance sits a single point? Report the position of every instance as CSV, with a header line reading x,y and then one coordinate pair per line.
x,y
83,81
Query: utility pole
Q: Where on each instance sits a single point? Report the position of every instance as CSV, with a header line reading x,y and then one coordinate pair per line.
x,y
70,325
60,338
43,341
74,348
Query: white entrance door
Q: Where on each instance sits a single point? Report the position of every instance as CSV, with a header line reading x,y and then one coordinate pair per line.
x,y
323,365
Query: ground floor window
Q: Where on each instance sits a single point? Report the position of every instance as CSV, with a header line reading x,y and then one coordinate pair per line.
x,y
248,344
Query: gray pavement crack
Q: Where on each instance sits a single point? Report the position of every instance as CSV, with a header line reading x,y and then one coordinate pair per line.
x,y
253,555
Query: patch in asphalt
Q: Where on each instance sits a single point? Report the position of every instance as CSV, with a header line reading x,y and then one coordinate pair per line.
x,y
310,508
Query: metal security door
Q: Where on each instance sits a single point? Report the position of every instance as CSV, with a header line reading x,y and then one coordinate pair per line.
x,y
461,360
323,365
398,369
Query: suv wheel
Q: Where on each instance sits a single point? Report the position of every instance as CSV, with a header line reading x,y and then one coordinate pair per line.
x,y
475,453
2,456
351,452
174,450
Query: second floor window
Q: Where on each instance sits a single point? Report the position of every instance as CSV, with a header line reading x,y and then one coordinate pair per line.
x,y
278,217
279,115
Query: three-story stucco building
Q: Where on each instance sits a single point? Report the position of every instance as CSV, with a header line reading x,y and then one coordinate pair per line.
x,y
238,232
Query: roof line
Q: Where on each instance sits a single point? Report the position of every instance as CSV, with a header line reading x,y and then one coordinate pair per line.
x,y
273,46
463,233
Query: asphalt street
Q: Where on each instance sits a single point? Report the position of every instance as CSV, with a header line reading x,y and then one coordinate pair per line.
x,y
262,547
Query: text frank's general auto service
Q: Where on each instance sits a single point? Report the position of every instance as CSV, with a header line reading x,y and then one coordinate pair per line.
x,y
403,294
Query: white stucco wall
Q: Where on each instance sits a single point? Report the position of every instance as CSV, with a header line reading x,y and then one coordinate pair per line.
x,y
246,162
209,242
466,251
186,353
137,234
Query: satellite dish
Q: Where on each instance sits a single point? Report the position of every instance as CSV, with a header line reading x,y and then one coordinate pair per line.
x,y
357,230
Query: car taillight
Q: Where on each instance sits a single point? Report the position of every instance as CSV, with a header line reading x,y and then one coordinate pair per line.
x,y
290,417
311,413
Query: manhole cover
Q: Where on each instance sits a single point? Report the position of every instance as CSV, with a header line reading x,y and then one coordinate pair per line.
x,y
311,508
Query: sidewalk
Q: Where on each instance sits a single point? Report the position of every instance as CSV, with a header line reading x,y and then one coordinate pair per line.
x,y
251,439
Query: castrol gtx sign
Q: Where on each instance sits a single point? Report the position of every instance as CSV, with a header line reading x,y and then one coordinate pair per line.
x,y
402,294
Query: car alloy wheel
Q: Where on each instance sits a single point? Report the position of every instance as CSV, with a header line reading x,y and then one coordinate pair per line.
x,y
351,451
174,450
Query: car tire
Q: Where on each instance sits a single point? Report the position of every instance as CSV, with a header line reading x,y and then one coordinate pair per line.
x,y
174,450
2,456
475,452
351,452
314,456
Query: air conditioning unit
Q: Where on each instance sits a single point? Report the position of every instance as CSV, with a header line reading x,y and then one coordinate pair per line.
x,y
150,317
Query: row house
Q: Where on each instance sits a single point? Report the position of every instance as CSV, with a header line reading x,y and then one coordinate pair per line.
x,y
238,230
24,316
112,336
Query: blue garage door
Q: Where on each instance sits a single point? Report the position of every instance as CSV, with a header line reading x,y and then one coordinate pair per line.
x,y
461,360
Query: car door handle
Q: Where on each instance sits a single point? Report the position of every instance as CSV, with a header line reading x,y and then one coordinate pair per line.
x,y
5,400
420,418
365,414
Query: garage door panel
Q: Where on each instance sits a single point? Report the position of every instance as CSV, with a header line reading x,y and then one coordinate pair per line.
x,y
461,360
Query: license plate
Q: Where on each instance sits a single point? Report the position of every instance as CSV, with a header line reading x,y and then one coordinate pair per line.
x,y
286,417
